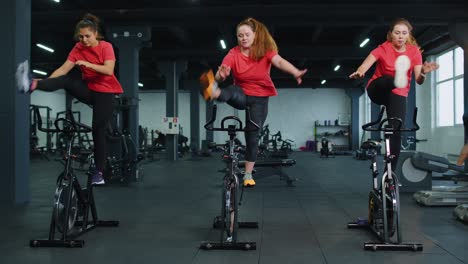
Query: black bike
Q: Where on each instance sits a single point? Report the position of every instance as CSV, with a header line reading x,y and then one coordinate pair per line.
x,y
384,200
228,221
125,158
72,204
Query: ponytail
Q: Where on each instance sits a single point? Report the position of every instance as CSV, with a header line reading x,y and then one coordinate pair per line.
x,y
89,21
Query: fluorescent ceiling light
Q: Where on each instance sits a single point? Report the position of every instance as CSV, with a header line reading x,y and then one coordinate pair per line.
x,y
323,81
44,47
337,67
140,84
364,42
40,72
56,1
223,45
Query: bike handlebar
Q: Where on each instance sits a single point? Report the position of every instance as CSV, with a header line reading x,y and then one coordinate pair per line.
x,y
380,123
68,125
235,128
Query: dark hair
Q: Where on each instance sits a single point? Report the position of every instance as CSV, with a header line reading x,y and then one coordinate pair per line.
x,y
263,41
89,21
402,21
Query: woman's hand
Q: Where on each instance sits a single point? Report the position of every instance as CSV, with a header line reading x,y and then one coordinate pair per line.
x,y
429,66
356,75
463,155
299,74
223,72
365,66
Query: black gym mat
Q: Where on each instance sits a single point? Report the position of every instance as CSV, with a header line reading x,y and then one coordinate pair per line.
x,y
164,218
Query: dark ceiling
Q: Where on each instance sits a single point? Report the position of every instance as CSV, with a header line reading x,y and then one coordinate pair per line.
x,y
311,34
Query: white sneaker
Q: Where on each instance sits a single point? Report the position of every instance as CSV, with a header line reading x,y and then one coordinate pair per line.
x,y
23,78
402,65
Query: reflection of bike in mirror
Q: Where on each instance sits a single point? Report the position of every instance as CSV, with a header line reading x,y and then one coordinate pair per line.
x,y
273,146
72,203
119,167
182,143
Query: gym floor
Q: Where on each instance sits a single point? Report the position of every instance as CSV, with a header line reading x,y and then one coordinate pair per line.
x,y
164,218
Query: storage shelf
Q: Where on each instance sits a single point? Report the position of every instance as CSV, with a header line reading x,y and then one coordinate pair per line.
x,y
340,141
321,136
331,126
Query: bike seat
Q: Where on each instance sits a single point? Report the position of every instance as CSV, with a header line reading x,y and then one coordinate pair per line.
x,y
371,144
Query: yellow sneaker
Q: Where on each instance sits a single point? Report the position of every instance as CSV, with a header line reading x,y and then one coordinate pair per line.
x,y
249,183
207,85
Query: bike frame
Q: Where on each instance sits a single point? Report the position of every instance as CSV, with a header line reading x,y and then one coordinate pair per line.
x,y
379,194
230,190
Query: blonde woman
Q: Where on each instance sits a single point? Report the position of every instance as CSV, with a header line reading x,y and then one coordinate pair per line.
x,y
397,59
250,63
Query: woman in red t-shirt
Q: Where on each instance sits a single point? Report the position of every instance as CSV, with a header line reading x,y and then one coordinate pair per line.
x,y
97,86
397,59
250,63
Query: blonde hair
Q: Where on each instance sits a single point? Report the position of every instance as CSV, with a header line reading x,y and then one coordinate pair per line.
x,y
403,21
89,21
263,41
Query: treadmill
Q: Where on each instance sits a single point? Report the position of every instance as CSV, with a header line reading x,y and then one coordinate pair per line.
x,y
451,192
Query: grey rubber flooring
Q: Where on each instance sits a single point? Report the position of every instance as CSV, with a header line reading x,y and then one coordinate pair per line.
x,y
164,217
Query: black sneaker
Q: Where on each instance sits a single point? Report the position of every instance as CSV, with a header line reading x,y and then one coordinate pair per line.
x,y
97,178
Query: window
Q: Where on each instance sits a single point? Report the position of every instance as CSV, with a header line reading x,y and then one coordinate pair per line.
x,y
449,88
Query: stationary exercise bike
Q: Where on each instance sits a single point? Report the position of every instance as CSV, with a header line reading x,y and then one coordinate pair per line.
x,y
384,201
228,221
325,151
72,204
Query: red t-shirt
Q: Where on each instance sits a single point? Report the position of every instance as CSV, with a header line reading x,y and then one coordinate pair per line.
x,y
96,55
386,56
251,75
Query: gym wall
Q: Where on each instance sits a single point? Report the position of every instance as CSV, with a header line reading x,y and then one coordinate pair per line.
x,y
293,111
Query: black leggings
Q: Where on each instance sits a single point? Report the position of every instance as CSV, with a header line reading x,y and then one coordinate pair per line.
x,y
103,107
235,97
380,92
